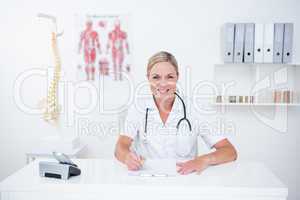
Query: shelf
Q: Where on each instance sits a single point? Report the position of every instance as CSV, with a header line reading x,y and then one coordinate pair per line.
x,y
258,64
256,104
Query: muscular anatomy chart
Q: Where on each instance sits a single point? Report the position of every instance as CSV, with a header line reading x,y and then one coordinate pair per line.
x,y
103,47
89,40
117,39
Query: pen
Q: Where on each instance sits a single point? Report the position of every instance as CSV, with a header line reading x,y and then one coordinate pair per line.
x,y
153,175
142,160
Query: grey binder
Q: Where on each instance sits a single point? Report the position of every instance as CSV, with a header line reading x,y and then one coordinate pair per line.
x,y
239,42
249,43
278,42
228,42
288,42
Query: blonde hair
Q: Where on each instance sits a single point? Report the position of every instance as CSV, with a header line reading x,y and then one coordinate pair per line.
x,y
162,56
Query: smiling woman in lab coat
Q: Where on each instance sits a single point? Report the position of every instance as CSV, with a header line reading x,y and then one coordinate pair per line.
x,y
157,131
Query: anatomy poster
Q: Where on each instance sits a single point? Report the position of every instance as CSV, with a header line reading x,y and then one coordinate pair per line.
x,y
103,47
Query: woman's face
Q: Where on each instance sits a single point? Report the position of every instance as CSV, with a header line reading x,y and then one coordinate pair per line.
x,y
163,78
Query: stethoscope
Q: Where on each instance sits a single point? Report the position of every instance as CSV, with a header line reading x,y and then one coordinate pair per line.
x,y
184,118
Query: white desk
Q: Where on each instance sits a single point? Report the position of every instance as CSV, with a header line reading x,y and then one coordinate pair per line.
x,y
107,179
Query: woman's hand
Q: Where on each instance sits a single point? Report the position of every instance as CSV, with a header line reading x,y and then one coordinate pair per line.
x,y
197,165
133,161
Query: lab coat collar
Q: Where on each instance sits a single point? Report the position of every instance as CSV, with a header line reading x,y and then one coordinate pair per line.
x,y
152,106
177,109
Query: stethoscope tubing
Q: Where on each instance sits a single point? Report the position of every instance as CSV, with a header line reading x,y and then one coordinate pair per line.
x,y
179,122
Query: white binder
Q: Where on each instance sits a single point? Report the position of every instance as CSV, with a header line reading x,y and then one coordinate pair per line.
x,y
249,43
288,42
228,42
239,42
268,42
259,43
278,42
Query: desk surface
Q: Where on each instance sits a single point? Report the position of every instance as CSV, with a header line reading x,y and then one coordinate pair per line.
x,y
248,180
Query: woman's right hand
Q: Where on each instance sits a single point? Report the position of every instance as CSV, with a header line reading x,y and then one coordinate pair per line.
x,y
133,161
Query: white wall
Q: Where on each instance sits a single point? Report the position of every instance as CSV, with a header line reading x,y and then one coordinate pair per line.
x,y
189,29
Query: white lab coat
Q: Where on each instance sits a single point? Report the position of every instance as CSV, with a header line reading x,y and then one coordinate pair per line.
x,y
164,141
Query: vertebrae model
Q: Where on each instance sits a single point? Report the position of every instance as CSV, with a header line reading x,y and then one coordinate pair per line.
x,y
52,106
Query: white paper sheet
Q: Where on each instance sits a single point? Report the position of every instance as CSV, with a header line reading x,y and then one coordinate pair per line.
x,y
156,168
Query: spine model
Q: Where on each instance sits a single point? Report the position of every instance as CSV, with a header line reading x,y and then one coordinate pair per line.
x,y
52,107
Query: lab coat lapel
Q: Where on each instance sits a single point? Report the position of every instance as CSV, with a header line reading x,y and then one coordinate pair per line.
x,y
175,113
173,117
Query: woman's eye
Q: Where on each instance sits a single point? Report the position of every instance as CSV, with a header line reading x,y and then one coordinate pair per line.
x,y
170,77
155,77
